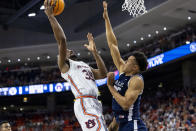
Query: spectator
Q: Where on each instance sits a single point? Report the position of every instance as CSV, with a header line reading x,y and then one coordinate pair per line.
x,y
5,126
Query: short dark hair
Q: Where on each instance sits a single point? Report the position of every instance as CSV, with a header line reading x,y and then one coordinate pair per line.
x,y
3,122
141,60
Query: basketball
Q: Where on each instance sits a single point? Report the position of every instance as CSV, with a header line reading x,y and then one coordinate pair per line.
x,y
58,9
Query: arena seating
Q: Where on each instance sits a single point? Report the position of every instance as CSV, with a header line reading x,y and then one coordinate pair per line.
x,y
168,110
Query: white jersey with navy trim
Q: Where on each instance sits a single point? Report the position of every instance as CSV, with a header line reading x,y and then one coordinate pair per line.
x,y
81,79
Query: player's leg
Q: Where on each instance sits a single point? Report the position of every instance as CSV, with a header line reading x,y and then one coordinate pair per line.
x,y
134,125
124,127
89,115
141,125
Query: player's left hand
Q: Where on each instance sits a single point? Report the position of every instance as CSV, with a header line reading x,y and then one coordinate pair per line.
x,y
91,46
105,9
110,80
49,8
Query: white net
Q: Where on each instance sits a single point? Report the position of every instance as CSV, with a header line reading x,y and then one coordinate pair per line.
x,y
134,7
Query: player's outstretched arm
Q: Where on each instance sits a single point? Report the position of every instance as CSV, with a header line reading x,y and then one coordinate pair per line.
x,y
113,125
135,87
59,36
112,41
101,72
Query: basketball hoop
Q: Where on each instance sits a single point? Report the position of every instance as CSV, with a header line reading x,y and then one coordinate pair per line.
x,y
134,7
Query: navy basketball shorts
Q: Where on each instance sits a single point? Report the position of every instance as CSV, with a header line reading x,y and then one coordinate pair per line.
x,y
134,125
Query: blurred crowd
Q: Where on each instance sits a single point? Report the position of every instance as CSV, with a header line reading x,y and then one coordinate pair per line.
x,y
28,76
38,75
167,42
36,121
170,109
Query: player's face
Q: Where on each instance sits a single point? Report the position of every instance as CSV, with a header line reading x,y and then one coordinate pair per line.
x,y
5,127
71,54
130,65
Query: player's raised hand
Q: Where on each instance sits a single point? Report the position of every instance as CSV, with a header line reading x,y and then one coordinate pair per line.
x,y
49,8
110,80
105,10
91,44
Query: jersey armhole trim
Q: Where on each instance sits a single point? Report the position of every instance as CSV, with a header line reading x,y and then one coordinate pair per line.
x,y
70,66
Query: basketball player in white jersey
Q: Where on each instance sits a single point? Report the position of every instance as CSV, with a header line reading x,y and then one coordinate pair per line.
x,y
87,108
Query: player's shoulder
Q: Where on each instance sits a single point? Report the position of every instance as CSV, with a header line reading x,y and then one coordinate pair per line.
x,y
136,79
74,65
75,61
67,66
